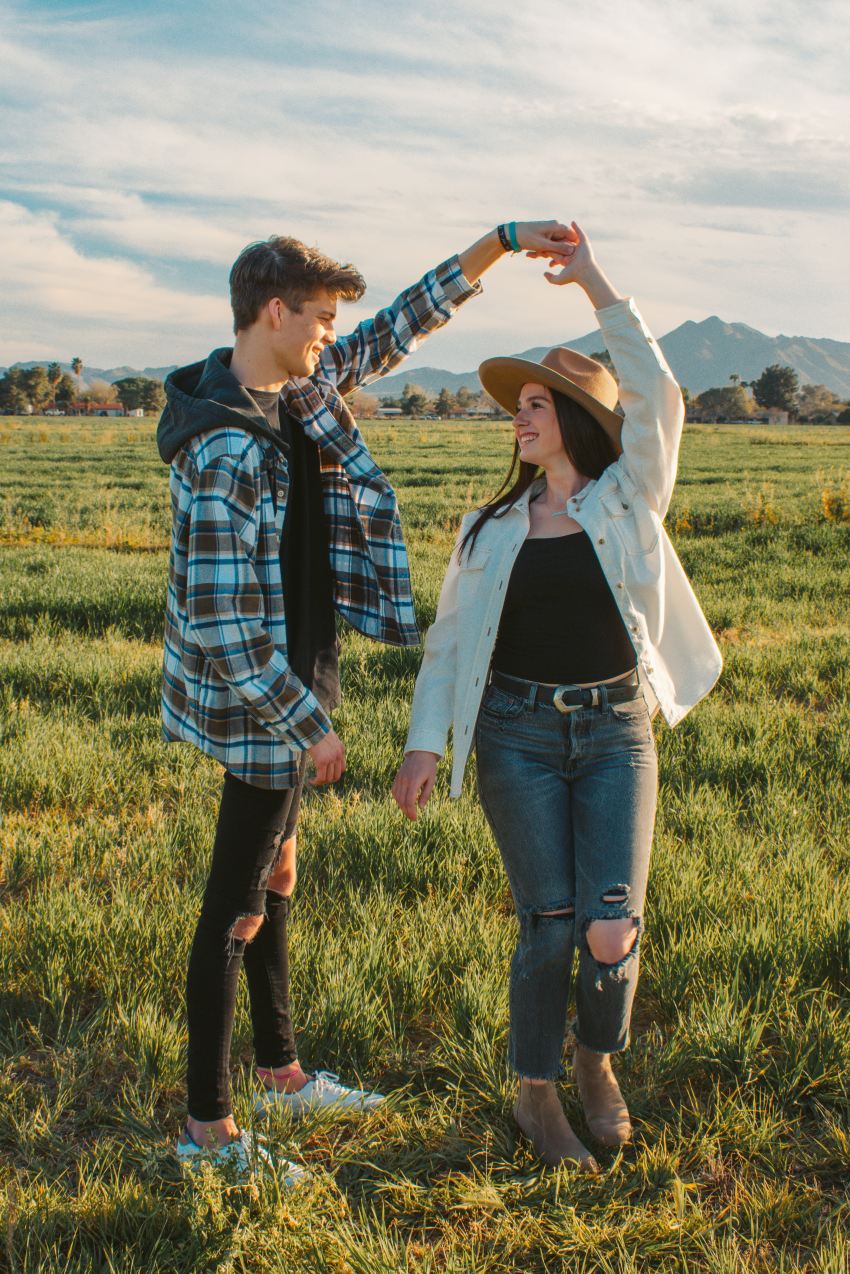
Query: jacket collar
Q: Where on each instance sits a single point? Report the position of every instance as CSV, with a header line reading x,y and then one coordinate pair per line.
x,y
538,485
525,499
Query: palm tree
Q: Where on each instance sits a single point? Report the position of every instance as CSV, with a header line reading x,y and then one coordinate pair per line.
x,y
54,375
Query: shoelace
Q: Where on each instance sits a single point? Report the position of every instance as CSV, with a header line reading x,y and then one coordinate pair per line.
x,y
329,1080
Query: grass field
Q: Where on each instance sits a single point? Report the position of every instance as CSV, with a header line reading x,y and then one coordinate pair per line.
x,y
739,1073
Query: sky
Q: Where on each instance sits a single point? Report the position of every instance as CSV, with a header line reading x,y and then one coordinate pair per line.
x,y
702,146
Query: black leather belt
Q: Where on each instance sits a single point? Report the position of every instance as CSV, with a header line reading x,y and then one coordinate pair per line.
x,y
567,698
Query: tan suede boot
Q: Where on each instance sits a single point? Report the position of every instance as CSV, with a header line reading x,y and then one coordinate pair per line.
x,y
606,1113
540,1116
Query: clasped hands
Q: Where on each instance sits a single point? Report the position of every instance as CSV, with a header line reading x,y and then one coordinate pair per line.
x,y
567,249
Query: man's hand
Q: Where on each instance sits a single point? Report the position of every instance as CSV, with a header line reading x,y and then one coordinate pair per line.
x,y
550,239
328,756
414,782
547,239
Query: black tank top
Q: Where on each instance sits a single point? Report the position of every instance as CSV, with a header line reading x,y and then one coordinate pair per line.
x,y
560,623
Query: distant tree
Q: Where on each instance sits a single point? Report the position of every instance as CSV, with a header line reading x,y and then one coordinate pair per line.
x,y
391,402
481,404
498,410
463,399
414,401
77,367
728,402
602,356
54,375
65,392
444,404
777,387
36,387
686,396
102,391
844,416
816,402
129,391
13,399
153,395
364,405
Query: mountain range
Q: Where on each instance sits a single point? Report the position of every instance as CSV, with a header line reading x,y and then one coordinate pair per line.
x,y
701,355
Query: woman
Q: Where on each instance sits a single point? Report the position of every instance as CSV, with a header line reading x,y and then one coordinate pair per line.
x,y
565,621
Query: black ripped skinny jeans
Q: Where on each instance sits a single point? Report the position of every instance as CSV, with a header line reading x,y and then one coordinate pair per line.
x,y
252,825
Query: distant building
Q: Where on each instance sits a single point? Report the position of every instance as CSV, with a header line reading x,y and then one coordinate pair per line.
x,y
99,409
775,416
384,412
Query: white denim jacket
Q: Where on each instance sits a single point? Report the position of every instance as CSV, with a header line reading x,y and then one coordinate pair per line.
x,y
622,512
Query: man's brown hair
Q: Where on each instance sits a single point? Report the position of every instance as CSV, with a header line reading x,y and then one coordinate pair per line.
x,y
286,268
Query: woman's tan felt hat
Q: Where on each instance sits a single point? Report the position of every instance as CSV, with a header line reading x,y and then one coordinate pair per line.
x,y
570,373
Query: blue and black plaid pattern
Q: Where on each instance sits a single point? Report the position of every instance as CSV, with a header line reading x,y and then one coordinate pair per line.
x,y
227,685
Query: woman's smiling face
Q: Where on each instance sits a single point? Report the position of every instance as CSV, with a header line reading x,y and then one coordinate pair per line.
x,y
536,426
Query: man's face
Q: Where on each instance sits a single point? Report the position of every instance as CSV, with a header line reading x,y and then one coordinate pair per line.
x,y
300,338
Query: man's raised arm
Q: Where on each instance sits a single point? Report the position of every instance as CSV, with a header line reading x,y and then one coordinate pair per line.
x,y
379,344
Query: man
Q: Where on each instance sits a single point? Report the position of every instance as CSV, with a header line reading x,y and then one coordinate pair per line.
x,y
280,518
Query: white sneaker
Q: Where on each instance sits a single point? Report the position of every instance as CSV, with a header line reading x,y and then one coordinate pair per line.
x,y
241,1158
322,1092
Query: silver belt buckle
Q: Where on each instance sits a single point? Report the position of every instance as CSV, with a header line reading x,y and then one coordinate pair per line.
x,y
558,701
557,698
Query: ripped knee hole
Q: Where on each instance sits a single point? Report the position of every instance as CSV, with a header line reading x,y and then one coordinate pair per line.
x,y
610,940
247,928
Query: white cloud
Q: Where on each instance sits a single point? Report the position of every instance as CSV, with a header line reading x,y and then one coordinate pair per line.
x,y
53,290
147,161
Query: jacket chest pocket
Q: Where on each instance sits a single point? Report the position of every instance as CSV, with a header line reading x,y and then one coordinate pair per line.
x,y
471,574
637,526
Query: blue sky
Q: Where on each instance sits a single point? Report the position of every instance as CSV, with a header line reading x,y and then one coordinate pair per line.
x,y
704,148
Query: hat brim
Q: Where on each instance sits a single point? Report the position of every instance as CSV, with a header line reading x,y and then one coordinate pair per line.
x,y
503,378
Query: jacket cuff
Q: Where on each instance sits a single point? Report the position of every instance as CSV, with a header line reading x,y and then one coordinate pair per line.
x,y
454,283
309,731
426,741
620,317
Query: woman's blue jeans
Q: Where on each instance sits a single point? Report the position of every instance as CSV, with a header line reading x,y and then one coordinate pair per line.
x,y
570,799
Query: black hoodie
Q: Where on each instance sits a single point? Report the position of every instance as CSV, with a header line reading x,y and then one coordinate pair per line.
x,y
208,396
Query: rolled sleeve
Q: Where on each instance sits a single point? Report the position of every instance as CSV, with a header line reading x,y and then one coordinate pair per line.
x,y
379,344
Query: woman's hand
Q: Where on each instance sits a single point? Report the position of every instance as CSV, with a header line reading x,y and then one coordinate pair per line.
x,y
580,266
579,262
414,782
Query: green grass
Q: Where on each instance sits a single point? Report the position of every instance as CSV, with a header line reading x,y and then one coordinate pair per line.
x,y
739,1073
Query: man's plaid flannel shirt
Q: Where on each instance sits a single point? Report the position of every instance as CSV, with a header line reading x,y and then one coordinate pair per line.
x,y
227,685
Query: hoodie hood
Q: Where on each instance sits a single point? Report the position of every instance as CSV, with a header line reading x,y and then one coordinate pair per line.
x,y
208,396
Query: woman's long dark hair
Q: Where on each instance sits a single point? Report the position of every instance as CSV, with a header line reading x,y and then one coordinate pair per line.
x,y
588,448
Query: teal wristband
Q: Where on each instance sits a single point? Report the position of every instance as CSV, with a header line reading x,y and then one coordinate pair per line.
x,y
512,236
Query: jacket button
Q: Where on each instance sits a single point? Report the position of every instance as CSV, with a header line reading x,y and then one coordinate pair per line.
x,y
625,506
634,628
601,539
620,584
